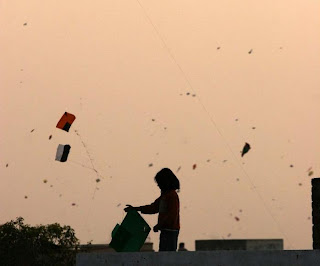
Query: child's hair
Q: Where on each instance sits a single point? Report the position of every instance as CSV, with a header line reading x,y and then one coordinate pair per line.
x,y
167,180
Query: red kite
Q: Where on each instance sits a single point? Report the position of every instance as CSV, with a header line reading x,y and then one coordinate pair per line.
x,y
66,121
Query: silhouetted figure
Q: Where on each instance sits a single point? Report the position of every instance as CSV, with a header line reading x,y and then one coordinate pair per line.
x,y
181,247
168,207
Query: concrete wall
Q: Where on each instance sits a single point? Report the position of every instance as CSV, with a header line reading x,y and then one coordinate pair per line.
x,y
239,244
203,258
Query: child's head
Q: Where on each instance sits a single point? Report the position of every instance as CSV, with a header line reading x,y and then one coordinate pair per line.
x,y
167,180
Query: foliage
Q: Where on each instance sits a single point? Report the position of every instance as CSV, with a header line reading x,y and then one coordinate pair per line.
x,y
22,244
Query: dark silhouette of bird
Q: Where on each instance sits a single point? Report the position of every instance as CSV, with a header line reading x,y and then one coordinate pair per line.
x,y
245,149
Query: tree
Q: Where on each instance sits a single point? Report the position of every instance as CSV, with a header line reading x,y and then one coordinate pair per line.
x,y
22,244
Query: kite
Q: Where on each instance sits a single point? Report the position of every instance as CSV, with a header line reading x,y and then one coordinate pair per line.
x,y
245,149
62,153
131,234
66,121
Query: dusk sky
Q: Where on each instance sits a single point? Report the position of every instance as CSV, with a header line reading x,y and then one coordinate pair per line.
x,y
157,84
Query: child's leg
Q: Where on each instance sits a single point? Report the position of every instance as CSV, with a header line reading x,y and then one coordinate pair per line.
x,y
168,240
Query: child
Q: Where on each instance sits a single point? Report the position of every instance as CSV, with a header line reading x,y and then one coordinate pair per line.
x,y
167,205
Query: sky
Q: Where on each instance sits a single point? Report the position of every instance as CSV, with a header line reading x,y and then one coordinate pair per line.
x,y
157,84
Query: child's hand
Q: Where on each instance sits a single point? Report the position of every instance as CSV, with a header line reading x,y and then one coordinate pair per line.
x,y
129,208
156,228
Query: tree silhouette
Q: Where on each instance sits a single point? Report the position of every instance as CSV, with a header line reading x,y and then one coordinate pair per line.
x,y
25,245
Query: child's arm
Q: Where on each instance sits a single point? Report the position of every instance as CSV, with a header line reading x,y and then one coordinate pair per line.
x,y
146,209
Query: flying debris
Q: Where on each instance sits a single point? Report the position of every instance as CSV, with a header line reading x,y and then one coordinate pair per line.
x,y
25,24
300,184
150,165
31,130
73,204
245,149
224,161
119,205
45,181
310,168
66,121
62,153
236,119
193,95
250,52
25,197
188,93
153,120
218,48
237,218
7,165
50,137
98,180
229,235
291,165
178,169
194,166
208,160
310,173
253,127
238,179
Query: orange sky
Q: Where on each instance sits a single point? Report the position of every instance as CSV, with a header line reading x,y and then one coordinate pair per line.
x,y
116,66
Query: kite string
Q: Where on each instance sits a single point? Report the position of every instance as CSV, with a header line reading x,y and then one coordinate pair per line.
x,y
209,115
91,161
